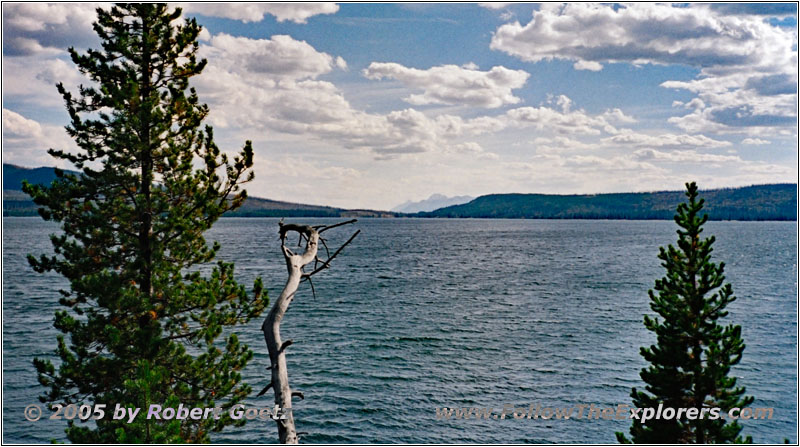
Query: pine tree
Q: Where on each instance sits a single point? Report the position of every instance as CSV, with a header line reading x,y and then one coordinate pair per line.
x,y
142,325
691,362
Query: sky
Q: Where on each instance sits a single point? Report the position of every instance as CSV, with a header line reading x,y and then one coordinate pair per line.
x,y
362,105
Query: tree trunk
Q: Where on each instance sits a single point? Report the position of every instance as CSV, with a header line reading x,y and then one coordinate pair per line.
x,y
146,214
287,433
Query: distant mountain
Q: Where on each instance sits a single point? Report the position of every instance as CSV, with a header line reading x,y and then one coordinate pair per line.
x,y
17,203
759,202
433,202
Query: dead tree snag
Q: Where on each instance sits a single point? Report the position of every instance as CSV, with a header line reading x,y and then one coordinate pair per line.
x,y
287,434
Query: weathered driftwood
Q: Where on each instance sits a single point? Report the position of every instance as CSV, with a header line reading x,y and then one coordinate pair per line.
x,y
287,434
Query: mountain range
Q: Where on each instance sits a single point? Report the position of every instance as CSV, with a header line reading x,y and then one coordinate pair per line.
x,y
757,202
433,202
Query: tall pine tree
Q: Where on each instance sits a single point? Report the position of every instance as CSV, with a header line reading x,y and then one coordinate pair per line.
x,y
142,325
691,362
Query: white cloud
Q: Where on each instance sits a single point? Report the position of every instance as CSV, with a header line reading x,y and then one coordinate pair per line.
x,y
562,101
561,144
725,104
618,116
32,79
35,28
451,84
748,68
296,178
299,169
277,91
579,173
644,33
588,65
630,138
556,118
563,122
25,141
688,156
277,58
494,5
755,141
42,16
255,12
17,126
291,101
473,149
27,45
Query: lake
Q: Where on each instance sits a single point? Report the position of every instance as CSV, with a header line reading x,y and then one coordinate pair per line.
x,y
423,313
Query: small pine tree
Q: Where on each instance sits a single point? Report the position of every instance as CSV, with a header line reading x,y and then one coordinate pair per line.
x,y
142,324
690,363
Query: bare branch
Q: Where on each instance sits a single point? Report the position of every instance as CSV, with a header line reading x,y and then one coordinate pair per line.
x,y
327,252
313,291
325,265
322,228
266,388
285,345
285,228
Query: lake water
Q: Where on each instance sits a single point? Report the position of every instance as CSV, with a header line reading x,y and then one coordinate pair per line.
x,y
420,314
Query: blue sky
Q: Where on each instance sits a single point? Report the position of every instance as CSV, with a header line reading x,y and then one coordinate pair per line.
x,y
371,105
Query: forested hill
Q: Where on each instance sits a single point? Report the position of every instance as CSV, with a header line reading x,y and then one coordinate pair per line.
x,y
17,203
14,175
759,202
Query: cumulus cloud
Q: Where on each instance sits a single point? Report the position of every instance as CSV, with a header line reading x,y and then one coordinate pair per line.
x,y
688,156
473,149
451,84
725,104
587,65
618,115
755,141
25,141
564,121
16,126
298,169
37,28
292,101
43,28
43,16
557,116
643,33
32,79
748,67
277,90
27,46
665,140
561,144
255,12
280,57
